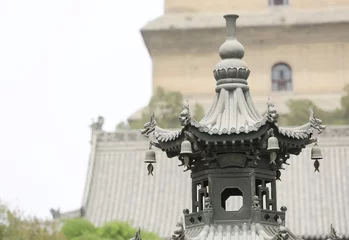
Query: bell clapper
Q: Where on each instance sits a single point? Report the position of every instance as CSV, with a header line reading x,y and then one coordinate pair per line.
x,y
150,168
272,158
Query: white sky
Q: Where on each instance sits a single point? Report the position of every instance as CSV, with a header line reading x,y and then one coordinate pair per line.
x,y
62,63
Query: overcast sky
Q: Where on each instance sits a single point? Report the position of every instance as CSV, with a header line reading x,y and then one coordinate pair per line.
x,y
61,64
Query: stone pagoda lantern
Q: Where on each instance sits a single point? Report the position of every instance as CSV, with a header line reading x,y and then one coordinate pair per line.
x,y
235,156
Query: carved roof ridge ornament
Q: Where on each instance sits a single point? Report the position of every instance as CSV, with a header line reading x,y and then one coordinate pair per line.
x,y
179,233
333,234
97,125
272,112
138,235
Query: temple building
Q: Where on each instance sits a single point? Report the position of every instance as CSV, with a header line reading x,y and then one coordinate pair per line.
x,y
233,174
294,48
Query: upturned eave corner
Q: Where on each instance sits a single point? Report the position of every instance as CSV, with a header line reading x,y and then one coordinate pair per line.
x,y
305,131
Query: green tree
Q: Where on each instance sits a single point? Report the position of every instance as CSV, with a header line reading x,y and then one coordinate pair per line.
x,y
73,228
299,112
167,106
122,231
82,229
15,225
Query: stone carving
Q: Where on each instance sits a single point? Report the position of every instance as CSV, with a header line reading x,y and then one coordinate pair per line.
x,y
272,113
231,72
255,203
179,232
208,204
149,127
185,115
254,157
316,123
97,126
282,233
333,234
56,214
138,235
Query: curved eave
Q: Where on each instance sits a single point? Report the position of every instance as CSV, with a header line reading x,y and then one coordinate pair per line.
x,y
228,137
294,133
163,135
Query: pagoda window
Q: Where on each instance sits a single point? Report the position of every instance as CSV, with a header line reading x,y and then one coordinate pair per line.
x,y
281,77
278,2
232,199
200,192
266,191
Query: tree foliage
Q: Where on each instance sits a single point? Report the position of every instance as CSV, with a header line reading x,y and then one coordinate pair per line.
x,y
167,106
73,228
299,112
14,225
81,229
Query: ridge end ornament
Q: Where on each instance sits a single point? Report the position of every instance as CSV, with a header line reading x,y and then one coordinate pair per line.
x,y
316,123
149,127
272,113
185,116
138,235
179,233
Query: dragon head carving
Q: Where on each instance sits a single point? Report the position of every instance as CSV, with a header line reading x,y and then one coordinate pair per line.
x,y
316,123
149,127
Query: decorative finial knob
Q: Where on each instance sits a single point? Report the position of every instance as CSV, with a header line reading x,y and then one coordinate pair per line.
x,y
231,48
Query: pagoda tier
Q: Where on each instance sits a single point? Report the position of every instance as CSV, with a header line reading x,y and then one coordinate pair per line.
x,y
235,155
232,119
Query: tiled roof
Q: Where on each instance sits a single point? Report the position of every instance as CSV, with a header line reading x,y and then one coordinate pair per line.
x,y
236,232
118,186
231,112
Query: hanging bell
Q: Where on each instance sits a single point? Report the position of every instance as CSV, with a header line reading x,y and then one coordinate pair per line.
x,y
316,152
150,156
273,144
186,148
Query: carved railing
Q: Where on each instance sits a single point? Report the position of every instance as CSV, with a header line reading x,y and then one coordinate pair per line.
x,y
272,217
197,218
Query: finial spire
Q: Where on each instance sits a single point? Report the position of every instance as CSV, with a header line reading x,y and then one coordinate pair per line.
x,y
231,25
232,70
231,48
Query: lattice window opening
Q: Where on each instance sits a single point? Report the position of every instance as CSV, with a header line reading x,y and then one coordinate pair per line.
x,y
232,199
202,191
281,77
265,190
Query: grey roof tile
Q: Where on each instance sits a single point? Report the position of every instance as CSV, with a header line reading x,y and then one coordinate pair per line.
x,y
120,189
